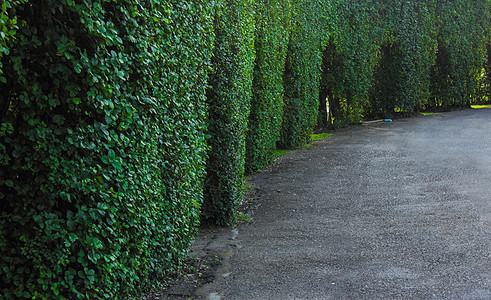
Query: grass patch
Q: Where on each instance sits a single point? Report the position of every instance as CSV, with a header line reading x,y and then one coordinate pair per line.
x,y
428,113
320,136
480,106
279,153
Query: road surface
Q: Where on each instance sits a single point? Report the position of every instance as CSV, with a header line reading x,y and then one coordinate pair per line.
x,y
397,210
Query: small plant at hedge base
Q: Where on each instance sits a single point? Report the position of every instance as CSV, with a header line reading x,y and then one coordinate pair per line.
x,y
244,217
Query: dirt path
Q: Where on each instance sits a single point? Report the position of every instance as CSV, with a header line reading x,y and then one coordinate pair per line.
x,y
397,210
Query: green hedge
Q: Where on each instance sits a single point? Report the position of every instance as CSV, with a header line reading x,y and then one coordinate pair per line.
x,y
101,144
228,103
272,29
332,67
105,104
402,77
302,74
348,62
385,90
487,61
487,67
461,35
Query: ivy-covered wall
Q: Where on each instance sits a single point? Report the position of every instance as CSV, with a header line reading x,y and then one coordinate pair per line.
x,y
349,59
102,108
272,31
228,100
461,32
401,81
302,74
117,118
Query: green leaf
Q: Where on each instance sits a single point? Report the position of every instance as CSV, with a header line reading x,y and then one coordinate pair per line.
x,y
77,68
73,237
117,165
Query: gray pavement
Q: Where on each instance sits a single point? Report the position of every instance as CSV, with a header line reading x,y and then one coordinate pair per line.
x,y
397,210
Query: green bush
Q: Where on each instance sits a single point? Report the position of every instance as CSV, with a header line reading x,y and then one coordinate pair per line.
x,y
272,28
487,61
349,59
487,68
302,74
439,80
461,36
101,144
402,75
228,104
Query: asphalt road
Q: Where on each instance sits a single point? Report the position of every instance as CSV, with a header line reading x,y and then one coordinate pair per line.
x,y
397,210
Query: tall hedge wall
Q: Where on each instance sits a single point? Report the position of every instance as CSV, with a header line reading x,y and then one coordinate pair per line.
x,y
461,35
111,133
349,59
302,74
402,76
487,61
272,30
228,109
487,67
101,144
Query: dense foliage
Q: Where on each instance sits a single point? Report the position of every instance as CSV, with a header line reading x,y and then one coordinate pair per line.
x,y
461,33
349,59
487,60
272,31
101,144
228,101
302,74
487,68
124,123
407,54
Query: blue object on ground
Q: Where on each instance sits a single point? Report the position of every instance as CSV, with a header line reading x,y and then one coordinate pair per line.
x,y
388,120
